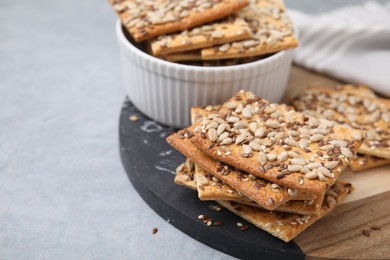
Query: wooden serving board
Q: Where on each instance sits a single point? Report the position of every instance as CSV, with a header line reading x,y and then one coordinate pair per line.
x,y
150,164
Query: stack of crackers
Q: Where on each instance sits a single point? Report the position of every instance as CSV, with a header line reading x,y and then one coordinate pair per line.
x,y
204,31
273,166
357,107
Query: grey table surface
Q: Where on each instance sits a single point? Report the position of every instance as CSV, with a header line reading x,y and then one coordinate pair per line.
x,y
63,191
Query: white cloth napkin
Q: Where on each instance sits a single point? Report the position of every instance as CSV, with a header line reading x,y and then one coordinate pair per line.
x,y
351,43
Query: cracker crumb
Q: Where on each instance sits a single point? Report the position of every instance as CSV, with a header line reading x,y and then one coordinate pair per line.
x,y
366,232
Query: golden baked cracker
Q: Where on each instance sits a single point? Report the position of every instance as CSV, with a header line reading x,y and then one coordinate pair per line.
x,y
286,226
183,56
276,143
367,113
230,29
146,19
271,27
254,188
211,188
363,162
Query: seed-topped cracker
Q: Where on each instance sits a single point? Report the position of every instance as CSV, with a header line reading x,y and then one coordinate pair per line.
x,y
257,189
363,162
276,143
272,31
345,107
230,29
286,226
145,19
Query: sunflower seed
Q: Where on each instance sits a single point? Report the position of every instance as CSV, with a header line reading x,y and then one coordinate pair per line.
x,y
346,152
294,168
255,146
262,158
313,165
212,134
292,192
298,161
271,157
326,172
311,175
246,151
247,111
221,128
241,138
260,132
231,105
227,141
272,123
331,164
303,143
240,124
282,157
316,138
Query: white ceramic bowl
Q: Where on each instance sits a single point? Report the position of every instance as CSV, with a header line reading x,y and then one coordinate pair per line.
x,y
165,91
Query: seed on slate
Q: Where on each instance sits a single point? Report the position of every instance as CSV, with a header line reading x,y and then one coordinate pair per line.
x,y
231,105
262,158
298,161
154,231
260,132
221,128
282,157
294,168
240,124
311,175
223,136
316,138
212,125
272,123
346,152
313,165
213,136
271,157
241,138
331,164
227,141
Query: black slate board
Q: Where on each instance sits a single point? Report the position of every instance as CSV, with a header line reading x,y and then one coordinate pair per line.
x,y
150,164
